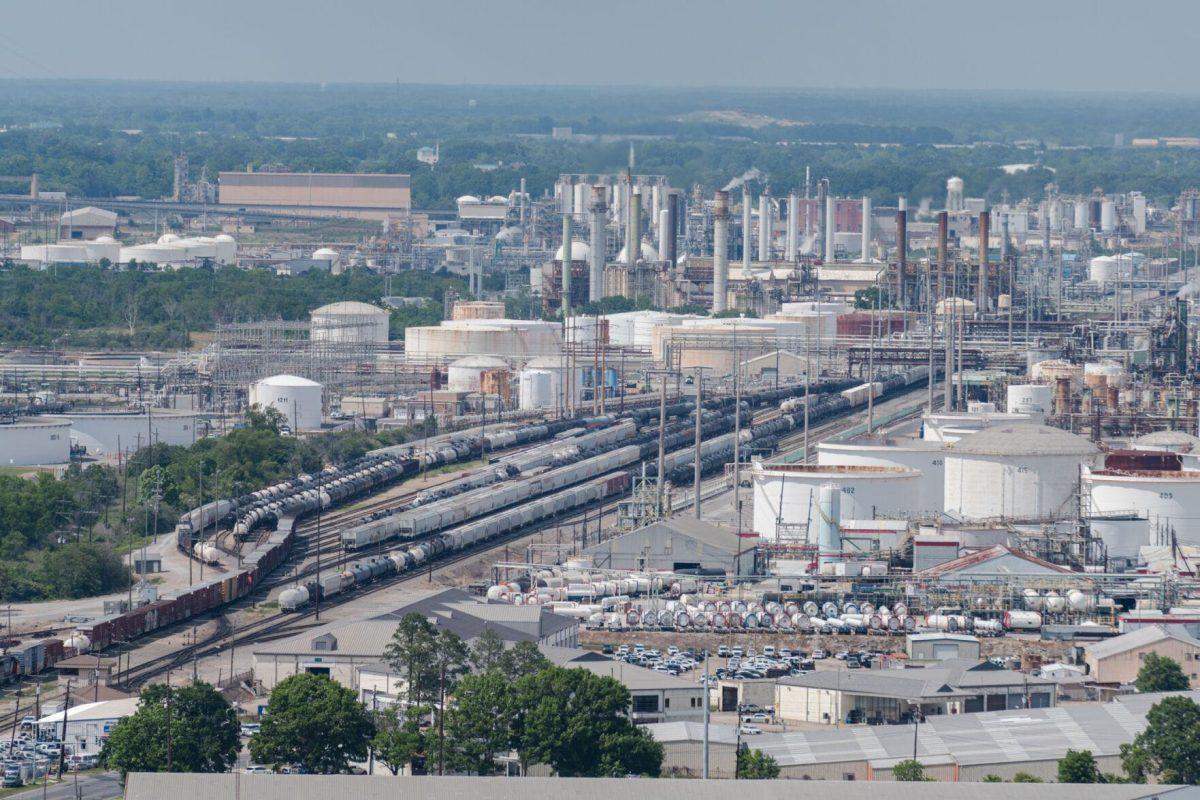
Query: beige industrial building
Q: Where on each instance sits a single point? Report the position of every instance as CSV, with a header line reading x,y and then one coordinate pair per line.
x,y
941,647
359,195
1117,661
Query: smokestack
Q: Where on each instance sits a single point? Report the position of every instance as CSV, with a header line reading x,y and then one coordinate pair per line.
x,y
566,265
943,234
822,192
598,246
764,226
793,227
983,291
567,195
747,200
720,251
655,205
866,229
902,251
633,229
830,227
670,250
663,221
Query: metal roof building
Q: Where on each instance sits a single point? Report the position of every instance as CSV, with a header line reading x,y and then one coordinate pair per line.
x,y
675,544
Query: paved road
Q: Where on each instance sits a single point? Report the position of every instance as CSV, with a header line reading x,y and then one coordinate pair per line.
x,y
94,786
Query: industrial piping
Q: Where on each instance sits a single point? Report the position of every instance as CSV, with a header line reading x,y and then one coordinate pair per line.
x,y
720,251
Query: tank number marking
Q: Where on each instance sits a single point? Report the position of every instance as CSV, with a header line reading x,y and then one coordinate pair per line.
x,y
847,490
1165,495
937,462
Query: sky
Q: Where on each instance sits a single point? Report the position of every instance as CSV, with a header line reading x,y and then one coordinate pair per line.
x,y
1071,45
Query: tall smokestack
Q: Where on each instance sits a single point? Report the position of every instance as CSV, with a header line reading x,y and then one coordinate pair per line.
x,y
822,193
793,227
747,201
764,226
567,195
598,245
902,251
983,291
656,204
720,251
830,227
633,229
664,219
943,266
866,229
670,252
566,265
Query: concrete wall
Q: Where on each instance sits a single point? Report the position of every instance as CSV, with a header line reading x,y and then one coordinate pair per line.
x,y
686,759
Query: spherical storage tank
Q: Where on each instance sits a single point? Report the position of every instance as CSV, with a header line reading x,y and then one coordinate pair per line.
x,y
786,495
298,399
926,457
464,374
1021,471
350,322
35,440
1169,501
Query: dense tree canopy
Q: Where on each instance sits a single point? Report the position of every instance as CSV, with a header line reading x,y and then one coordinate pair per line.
x,y
1079,766
1169,747
1161,674
757,765
203,735
314,722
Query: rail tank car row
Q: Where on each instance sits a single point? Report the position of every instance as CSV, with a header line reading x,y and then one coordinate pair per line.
x,y
413,556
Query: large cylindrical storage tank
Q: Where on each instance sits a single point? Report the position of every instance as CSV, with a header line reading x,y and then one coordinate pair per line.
x,y
103,432
517,340
35,440
1104,373
924,456
1168,441
1102,269
1169,501
298,399
350,322
1050,371
786,495
226,248
550,383
464,374
1033,399
1022,471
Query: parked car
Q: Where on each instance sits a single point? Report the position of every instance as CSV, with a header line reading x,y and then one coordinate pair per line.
x,y
749,730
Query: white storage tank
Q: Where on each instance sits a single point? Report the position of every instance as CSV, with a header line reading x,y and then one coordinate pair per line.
x,y
330,256
546,382
1112,373
1102,269
102,433
785,495
1033,399
298,399
1169,441
926,457
350,322
515,339
1021,471
464,374
35,440
1167,500
1050,371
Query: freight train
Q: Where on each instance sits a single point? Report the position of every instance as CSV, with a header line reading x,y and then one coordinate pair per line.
x,y
413,556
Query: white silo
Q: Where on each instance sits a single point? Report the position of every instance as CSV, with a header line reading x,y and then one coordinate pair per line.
x,y
829,522
954,194
1081,215
332,257
1033,399
350,322
1021,471
35,440
786,495
226,248
1139,213
1102,269
1108,216
545,383
464,374
297,399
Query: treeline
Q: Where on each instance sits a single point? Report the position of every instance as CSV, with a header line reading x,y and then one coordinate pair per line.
x,y
95,307
462,705
65,537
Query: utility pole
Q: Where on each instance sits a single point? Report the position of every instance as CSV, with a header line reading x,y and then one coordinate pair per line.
x,y
317,540
662,427
704,775
699,405
62,753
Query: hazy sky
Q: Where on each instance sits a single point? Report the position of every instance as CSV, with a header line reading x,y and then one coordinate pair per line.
x,y
1091,45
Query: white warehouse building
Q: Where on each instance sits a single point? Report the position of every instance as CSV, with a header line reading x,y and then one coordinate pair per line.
x,y
35,440
298,399
1016,471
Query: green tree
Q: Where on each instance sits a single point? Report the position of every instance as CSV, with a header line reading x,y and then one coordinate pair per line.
x,y
1169,746
408,653
909,770
756,765
1079,766
398,737
314,722
1025,777
487,651
576,722
630,751
82,569
203,733
990,778
522,659
478,725
1161,674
